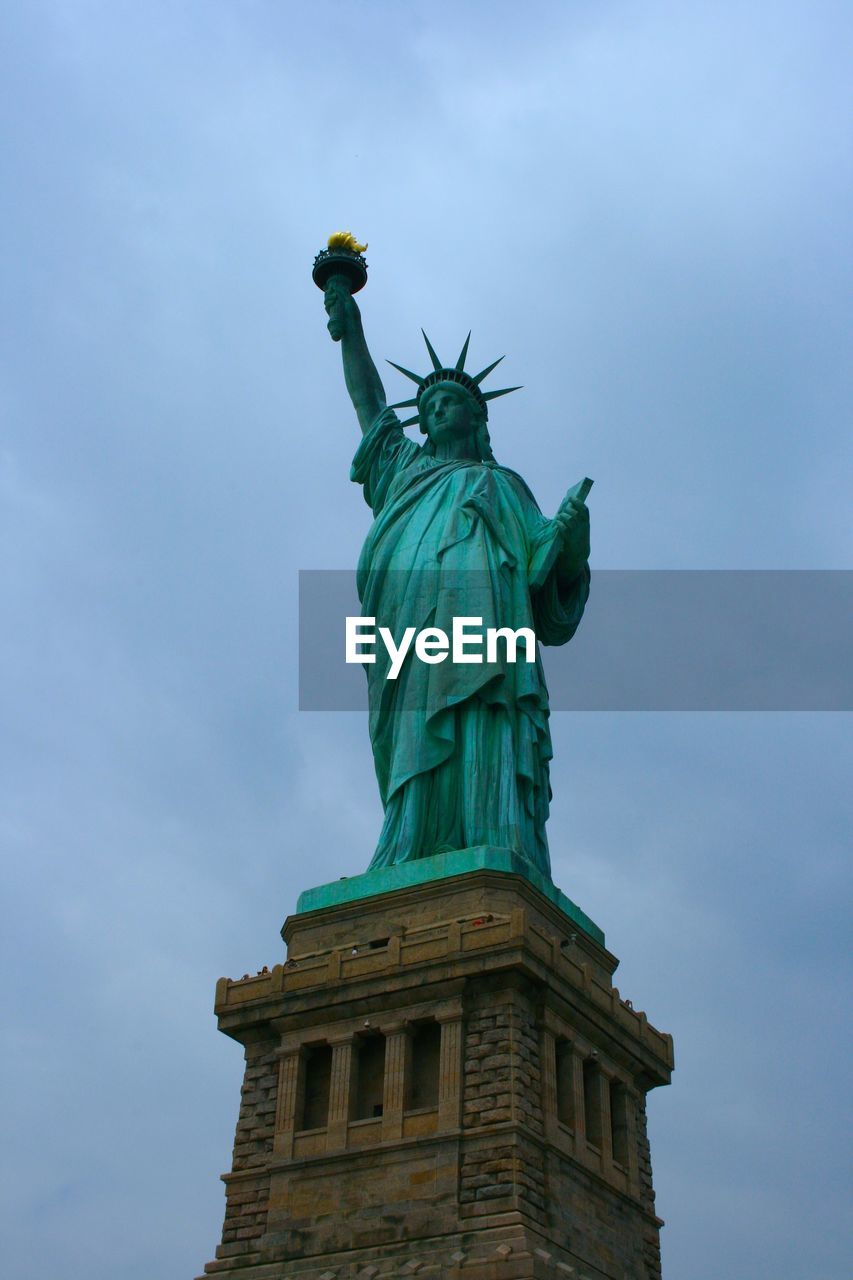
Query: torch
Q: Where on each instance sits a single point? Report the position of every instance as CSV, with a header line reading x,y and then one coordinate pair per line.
x,y
342,262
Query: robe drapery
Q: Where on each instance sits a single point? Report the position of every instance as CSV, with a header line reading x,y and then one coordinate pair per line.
x,y
461,750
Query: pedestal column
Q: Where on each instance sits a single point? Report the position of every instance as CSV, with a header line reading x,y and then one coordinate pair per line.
x,y
394,1094
578,1106
603,1083
340,1088
549,1081
288,1102
450,1071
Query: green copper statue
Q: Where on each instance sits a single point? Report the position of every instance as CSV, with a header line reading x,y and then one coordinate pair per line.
x,y
461,749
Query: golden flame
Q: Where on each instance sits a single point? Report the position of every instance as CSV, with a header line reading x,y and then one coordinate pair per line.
x,y
346,240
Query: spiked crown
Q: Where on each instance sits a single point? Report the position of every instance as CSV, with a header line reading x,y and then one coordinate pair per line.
x,y
443,373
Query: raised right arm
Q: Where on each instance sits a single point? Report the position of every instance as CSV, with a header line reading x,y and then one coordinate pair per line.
x,y
360,373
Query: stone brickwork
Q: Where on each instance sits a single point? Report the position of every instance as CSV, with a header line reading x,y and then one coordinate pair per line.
x,y
527,1071
248,1184
595,1224
497,1178
503,1077
651,1243
502,1087
488,1068
647,1191
487,1176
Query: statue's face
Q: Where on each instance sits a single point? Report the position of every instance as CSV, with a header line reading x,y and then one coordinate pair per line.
x,y
447,413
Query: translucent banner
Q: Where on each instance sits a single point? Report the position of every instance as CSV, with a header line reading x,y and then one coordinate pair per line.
x,y
650,640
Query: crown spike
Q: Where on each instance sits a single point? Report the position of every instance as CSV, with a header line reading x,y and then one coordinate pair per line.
x,y
415,377
436,363
410,422
404,404
491,395
460,363
480,376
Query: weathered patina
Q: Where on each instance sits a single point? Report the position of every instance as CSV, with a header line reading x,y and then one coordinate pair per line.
x,y
461,749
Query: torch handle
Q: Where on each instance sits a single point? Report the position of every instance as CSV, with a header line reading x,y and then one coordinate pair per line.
x,y
338,299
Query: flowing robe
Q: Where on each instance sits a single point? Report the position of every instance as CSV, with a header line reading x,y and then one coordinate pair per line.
x,y
461,750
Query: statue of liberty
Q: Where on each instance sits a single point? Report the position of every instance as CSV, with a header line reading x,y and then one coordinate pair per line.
x,y
461,750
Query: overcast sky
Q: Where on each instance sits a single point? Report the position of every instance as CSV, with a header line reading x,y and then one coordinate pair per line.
x,y
647,207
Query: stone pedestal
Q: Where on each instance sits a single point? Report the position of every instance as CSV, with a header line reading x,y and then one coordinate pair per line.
x,y
441,1081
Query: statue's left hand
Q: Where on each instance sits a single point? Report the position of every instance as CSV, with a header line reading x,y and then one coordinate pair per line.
x,y
573,521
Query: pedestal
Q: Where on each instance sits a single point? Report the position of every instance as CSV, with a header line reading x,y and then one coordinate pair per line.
x,y
441,1081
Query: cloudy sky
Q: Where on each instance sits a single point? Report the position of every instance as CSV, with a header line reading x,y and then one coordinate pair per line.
x,y
647,207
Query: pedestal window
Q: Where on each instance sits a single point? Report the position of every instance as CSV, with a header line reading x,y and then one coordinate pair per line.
x,y
317,1066
619,1122
565,1083
424,1066
369,1083
592,1102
